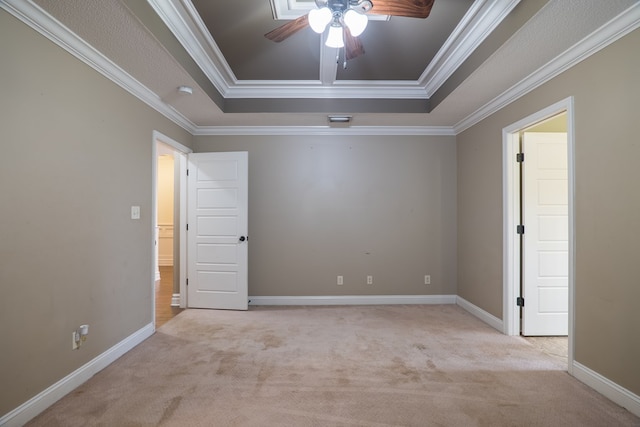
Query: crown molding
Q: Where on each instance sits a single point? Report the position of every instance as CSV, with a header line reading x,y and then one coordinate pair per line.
x,y
608,33
343,89
325,130
36,18
186,24
479,21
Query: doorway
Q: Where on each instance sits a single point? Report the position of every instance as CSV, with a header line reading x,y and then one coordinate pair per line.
x,y
169,217
556,118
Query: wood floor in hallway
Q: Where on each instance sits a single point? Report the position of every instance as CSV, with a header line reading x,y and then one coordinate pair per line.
x,y
164,293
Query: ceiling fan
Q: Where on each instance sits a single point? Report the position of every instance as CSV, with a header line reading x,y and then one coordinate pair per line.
x,y
346,20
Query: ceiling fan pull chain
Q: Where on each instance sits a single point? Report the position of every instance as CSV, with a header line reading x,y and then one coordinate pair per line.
x,y
344,63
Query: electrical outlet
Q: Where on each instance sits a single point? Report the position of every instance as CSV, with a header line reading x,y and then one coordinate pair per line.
x,y
75,340
427,279
340,280
369,280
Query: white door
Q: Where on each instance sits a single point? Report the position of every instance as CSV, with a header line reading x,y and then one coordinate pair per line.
x,y
217,235
546,234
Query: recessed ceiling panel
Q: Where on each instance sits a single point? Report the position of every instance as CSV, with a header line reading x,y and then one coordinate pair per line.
x,y
402,48
238,28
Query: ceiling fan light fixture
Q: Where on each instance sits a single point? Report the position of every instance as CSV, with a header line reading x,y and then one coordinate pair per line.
x,y
357,22
319,19
335,37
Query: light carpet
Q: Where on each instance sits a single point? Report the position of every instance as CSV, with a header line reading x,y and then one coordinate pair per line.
x,y
395,365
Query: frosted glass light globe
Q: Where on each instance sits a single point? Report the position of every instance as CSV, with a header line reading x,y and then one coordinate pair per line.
x,y
356,22
319,18
334,38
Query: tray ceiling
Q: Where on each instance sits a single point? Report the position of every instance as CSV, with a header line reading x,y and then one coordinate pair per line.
x,y
435,75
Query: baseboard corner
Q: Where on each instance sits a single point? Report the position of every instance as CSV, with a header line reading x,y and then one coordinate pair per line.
x,y
34,406
614,392
486,317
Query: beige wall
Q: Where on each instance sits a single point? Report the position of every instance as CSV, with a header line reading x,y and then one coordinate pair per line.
x,y
319,207
323,206
76,154
606,91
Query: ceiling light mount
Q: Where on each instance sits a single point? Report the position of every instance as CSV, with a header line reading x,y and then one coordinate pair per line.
x,y
188,90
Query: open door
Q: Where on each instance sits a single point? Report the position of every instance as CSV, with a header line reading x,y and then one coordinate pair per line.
x,y
217,241
546,234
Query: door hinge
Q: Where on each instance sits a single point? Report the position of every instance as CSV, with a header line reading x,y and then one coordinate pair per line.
x,y
520,229
520,302
520,157
187,172
187,282
187,227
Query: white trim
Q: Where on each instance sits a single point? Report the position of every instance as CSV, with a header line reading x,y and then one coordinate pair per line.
x,y
54,30
353,300
607,388
476,25
181,151
185,23
510,195
327,88
510,243
45,24
486,317
170,142
155,241
608,33
34,406
182,163
325,130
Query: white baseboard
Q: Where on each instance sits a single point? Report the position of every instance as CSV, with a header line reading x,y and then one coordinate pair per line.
x,y
175,300
487,318
608,388
353,300
30,409
34,406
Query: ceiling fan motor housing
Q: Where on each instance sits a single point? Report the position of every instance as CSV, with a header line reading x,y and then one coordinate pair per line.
x,y
342,5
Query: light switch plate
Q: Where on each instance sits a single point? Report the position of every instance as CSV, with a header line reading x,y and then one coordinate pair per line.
x,y
135,212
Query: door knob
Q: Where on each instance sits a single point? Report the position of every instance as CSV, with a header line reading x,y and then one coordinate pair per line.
x,y
242,238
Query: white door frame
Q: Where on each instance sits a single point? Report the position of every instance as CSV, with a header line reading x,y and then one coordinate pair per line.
x,y
511,215
181,191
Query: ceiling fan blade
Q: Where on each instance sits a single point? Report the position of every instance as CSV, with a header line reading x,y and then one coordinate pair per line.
x,y
290,28
407,8
352,46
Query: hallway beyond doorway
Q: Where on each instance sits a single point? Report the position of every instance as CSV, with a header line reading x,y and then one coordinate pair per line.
x,y
164,293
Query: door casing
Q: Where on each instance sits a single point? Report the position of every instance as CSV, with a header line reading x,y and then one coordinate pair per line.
x,y
511,215
181,152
